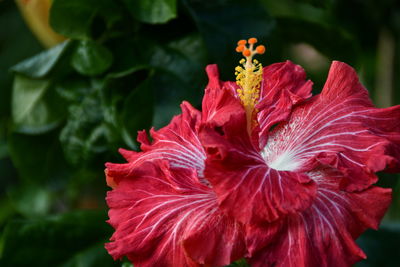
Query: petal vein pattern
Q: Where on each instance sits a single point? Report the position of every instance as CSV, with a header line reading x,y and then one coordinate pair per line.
x,y
324,234
339,128
178,143
165,217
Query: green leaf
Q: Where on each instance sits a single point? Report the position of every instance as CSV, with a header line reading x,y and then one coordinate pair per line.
x,y
185,58
32,200
130,56
36,108
138,111
73,88
17,43
180,76
91,58
40,65
71,239
152,11
74,18
85,134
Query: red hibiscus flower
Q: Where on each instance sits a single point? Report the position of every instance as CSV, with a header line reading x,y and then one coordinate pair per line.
x,y
300,176
265,171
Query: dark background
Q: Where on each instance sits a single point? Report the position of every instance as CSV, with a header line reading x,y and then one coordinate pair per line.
x,y
127,66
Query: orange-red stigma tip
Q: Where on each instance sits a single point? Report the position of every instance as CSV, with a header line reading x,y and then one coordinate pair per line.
x,y
260,49
252,40
240,48
246,53
242,42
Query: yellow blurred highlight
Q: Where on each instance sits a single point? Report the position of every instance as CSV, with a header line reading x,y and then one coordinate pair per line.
x,y
36,15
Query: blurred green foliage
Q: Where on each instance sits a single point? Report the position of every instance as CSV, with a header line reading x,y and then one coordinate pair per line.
x,y
127,65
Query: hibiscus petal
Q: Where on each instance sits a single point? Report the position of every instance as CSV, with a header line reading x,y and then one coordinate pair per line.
x,y
165,217
339,128
178,143
283,86
246,187
219,102
325,233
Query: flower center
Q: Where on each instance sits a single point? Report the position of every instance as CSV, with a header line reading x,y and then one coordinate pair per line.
x,y
249,77
282,162
277,155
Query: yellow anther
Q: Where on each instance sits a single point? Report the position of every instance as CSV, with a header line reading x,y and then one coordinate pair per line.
x,y
248,77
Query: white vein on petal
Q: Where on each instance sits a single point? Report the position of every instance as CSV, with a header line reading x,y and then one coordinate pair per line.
x,y
299,144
